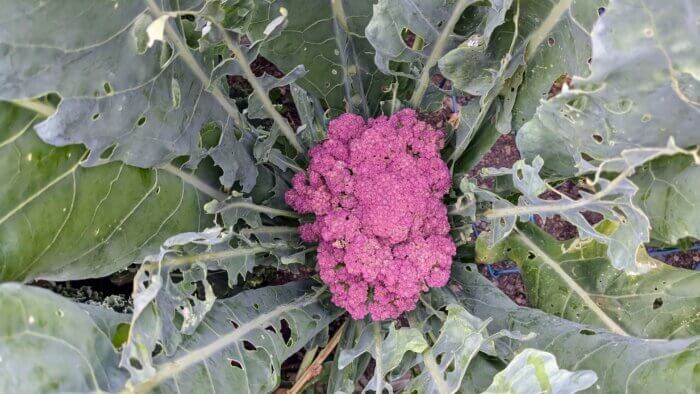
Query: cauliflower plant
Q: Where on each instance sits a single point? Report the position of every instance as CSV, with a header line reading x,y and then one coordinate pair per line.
x,y
376,189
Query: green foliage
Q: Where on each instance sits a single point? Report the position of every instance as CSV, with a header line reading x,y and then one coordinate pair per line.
x,y
622,363
50,344
576,281
120,144
61,220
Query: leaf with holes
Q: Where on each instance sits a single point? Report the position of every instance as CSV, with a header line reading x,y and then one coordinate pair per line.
x,y
341,70
387,346
668,195
511,61
643,89
576,281
622,363
139,105
444,365
172,294
534,371
60,220
241,343
613,199
51,344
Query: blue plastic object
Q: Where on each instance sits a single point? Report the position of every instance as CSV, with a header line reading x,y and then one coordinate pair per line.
x,y
495,273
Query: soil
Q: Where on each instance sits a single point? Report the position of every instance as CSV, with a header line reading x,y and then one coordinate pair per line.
x,y
241,89
681,259
101,292
503,154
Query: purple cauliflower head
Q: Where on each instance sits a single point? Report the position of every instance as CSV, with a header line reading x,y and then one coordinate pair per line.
x,y
376,189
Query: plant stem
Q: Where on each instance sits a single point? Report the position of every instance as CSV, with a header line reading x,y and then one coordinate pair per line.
x,y
436,53
182,260
343,38
194,66
37,106
314,369
573,285
378,362
269,230
259,208
262,95
552,208
545,27
195,182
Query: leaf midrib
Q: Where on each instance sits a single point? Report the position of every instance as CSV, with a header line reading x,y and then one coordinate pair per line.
x,y
39,192
173,368
572,284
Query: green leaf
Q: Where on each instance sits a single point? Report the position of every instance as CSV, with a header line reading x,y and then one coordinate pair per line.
x,y
310,39
473,66
533,371
623,364
482,65
143,106
267,82
613,199
53,345
88,55
172,294
235,157
242,342
60,220
561,45
511,61
342,380
311,115
387,346
668,195
145,127
643,89
575,280
234,209
49,344
392,19
462,337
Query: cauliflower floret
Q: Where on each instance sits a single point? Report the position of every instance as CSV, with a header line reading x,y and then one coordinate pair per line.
x,y
376,189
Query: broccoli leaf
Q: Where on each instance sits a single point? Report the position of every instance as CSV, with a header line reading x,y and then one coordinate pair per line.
x,y
333,63
242,342
534,371
560,46
51,344
576,281
613,200
342,380
643,89
146,126
668,195
460,358
393,19
172,294
512,61
55,345
622,363
387,346
143,106
85,62
462,337
60,220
